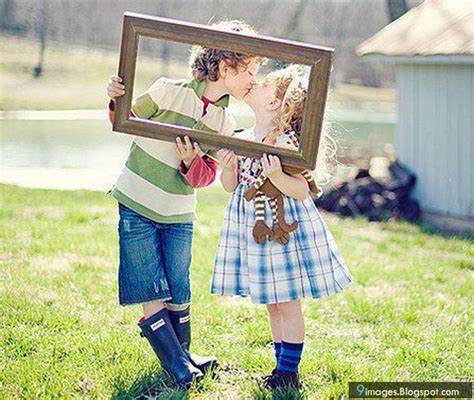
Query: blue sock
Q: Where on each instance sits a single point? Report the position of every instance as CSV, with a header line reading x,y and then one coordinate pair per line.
x,y
290,356
277,346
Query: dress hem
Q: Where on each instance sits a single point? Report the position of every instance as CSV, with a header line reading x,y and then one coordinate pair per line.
x,y
283,299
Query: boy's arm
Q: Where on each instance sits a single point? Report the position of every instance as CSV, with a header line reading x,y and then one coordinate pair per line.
x,y
111,108
201,173
112,111
143,107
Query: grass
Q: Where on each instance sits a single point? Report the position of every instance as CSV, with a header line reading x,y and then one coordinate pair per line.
x,y
63,335
75,78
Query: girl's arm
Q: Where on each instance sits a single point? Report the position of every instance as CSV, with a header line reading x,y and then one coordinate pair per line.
x,y
229,180
228,162
294,186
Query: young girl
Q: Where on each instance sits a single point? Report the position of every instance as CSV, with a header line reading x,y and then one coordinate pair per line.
x,y
276,275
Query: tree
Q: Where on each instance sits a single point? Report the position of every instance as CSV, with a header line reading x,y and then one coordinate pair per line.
x,y
6,16
293,28
7,19
165,48
42,33
294,23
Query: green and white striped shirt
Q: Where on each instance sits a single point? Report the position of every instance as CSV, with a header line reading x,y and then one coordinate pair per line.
x,y
151,183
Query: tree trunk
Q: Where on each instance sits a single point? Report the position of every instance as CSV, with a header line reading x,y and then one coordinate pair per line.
x,y
396,8
165,47
6,19
42,33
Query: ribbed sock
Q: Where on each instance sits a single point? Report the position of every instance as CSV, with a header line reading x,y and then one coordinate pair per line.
x,y
277,346
290,356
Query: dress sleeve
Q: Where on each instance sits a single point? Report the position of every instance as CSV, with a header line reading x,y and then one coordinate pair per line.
x,y
288,140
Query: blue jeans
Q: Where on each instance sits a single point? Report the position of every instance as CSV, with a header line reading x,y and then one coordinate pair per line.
x,y
154,260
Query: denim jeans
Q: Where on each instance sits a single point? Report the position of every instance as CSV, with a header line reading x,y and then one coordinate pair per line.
x,y
154,260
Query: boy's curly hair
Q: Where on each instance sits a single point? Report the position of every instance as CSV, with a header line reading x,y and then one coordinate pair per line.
x,y
204,61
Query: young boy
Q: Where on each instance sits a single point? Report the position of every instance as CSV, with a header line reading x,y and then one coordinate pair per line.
x,y
157,199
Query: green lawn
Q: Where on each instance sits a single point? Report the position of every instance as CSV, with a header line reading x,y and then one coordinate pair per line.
x,y
76,78
62,334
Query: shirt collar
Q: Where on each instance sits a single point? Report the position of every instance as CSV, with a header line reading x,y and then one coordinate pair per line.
x,y
200,86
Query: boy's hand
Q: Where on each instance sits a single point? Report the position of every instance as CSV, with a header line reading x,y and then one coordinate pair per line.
x,y
227,159
271,166
115,88
186,151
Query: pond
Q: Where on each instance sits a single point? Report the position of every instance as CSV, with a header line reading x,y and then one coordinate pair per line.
x,y
85,153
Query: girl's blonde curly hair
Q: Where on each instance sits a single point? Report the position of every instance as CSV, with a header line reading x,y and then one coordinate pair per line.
x,y
292,90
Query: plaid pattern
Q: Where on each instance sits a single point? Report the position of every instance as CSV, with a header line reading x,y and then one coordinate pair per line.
x,y
309,265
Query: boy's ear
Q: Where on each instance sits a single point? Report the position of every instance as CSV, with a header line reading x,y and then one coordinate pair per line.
x,y
223,68
273,105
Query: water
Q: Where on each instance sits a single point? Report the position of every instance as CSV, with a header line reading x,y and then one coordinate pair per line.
x,y
61,154
73,154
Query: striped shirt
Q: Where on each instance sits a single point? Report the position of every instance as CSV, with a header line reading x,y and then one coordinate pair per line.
x,y
151,183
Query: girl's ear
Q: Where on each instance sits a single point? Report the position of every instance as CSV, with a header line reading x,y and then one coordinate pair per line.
x,y
273,105
223,69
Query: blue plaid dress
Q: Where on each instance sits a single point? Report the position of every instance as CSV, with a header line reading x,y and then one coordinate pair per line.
x,y
309,265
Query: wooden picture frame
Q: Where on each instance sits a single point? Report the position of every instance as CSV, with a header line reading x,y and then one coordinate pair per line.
x,y
318,58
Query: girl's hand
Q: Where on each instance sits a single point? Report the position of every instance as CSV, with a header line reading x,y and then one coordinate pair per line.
x,y
271,166
115,88
227,159
186,151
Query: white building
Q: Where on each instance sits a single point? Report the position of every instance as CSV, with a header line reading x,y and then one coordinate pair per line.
x,y
432,47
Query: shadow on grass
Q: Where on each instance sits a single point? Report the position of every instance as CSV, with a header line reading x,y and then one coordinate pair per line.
x,y
259,393
433,230
150,386
421,227
160,386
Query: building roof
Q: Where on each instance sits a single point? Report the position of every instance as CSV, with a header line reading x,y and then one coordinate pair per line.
x,y
434,28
